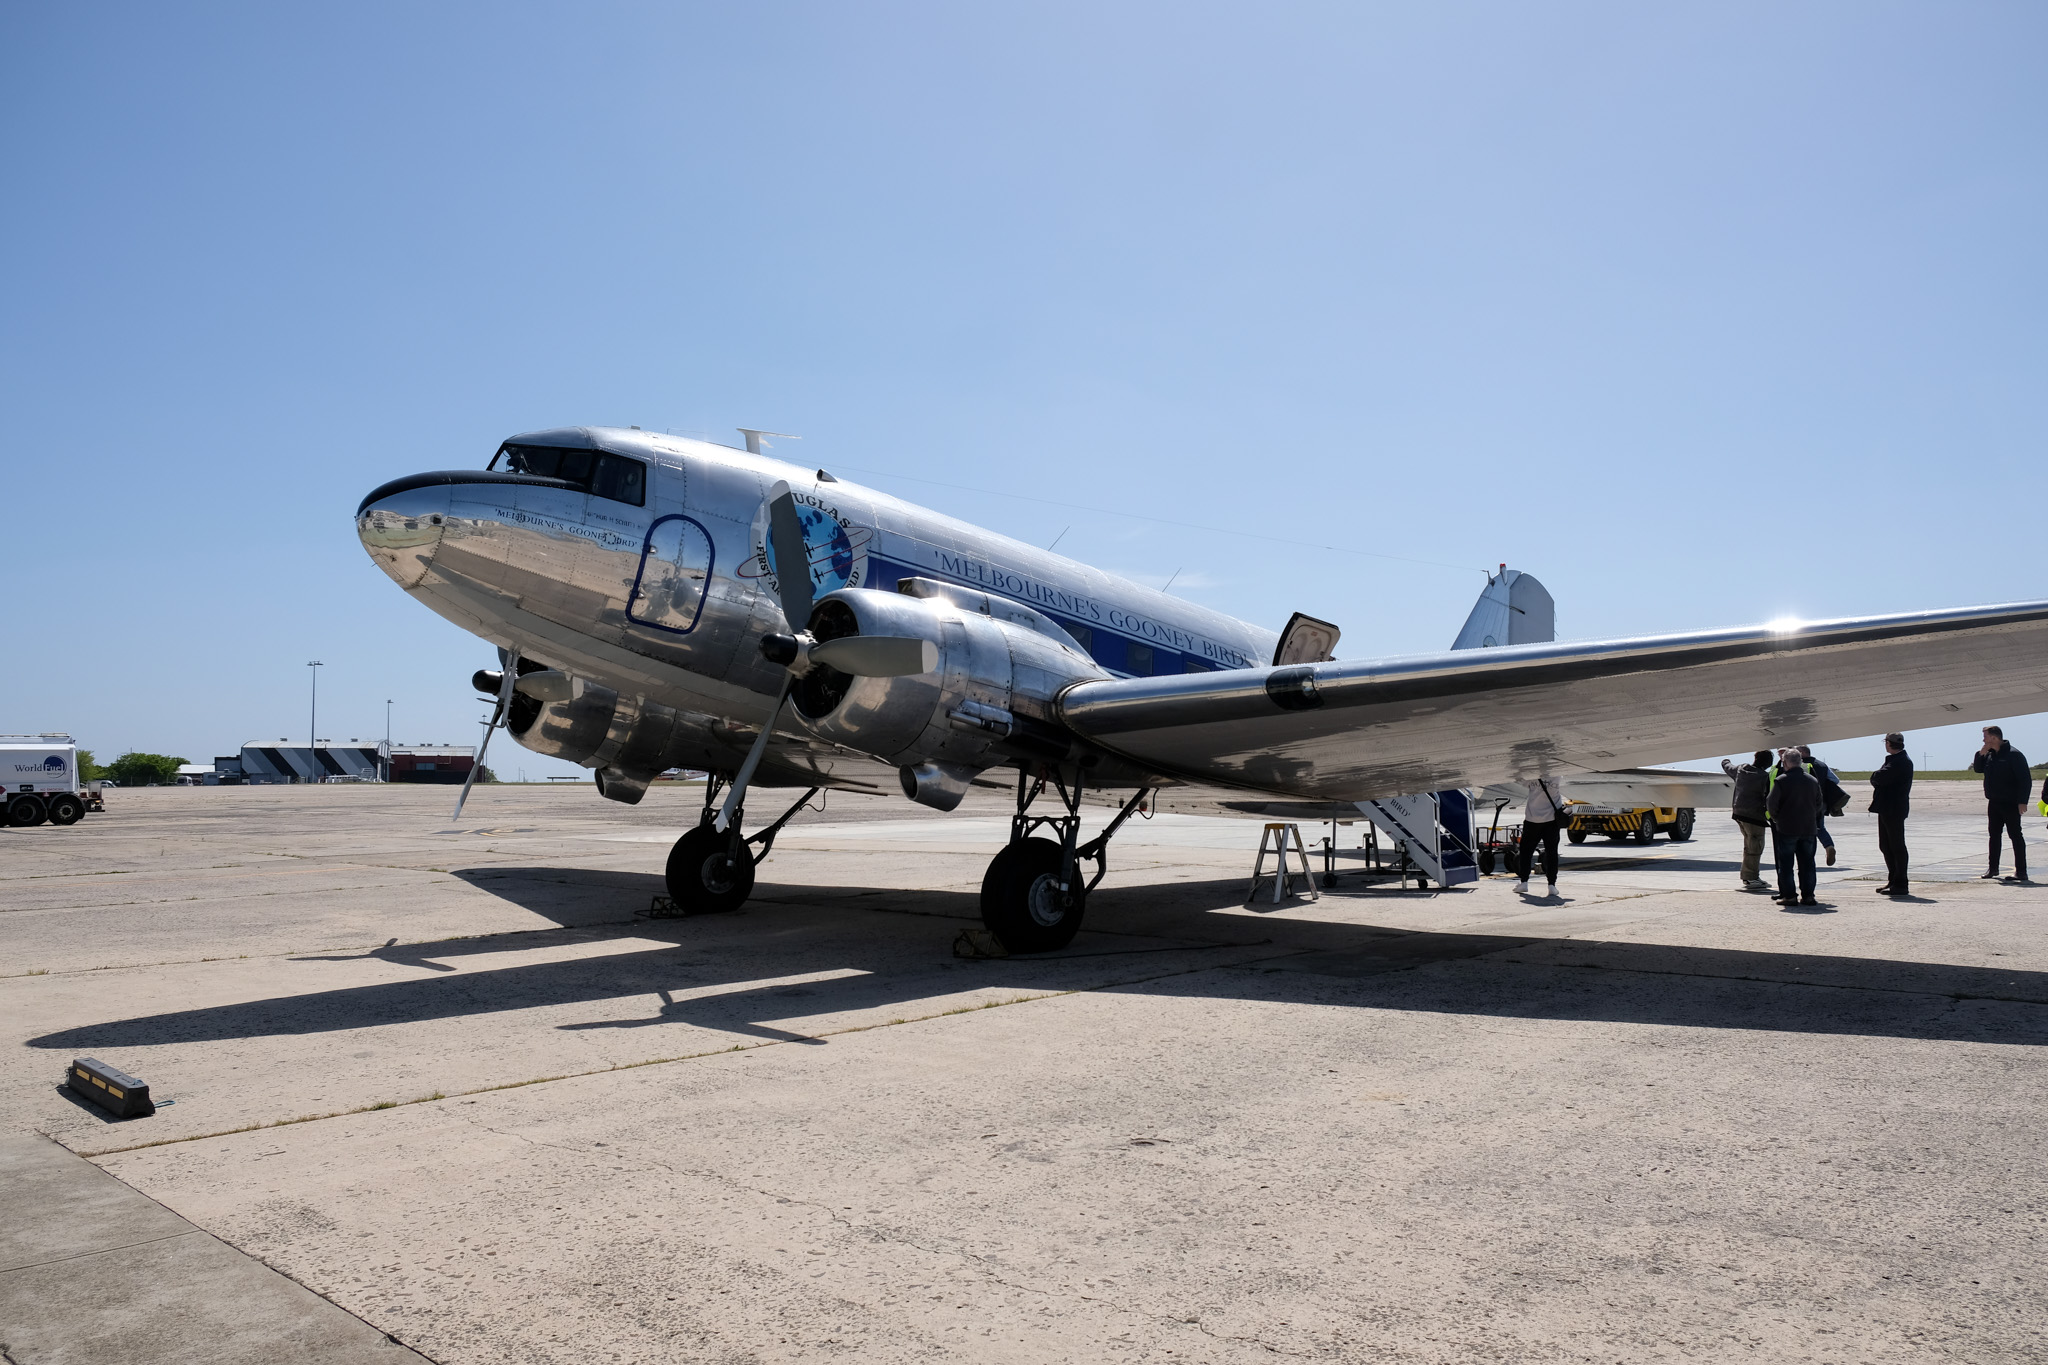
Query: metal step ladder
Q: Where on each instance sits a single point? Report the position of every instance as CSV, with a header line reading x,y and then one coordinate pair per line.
x,y
1433,829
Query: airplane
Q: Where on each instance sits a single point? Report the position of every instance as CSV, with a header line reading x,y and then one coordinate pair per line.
x,y
661,602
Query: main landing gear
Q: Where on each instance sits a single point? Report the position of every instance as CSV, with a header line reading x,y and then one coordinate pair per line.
x,y
1032,897
711,871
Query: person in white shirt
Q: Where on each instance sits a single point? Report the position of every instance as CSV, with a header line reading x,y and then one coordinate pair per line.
x,y
1543,818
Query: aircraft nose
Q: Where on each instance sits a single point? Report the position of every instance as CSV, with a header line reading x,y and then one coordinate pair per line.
x,y
401,527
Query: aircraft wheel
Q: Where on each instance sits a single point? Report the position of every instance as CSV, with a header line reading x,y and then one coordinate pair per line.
x,y
704,878
1646,831
1021,900
24,811
1681,828
66,810
1577,836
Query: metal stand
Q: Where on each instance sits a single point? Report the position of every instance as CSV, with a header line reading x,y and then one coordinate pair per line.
x,y
1282,839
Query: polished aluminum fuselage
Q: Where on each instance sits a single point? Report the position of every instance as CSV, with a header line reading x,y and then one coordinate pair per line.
x,y
666,603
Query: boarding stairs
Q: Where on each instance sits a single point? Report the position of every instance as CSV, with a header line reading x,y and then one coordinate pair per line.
x,y
1434,831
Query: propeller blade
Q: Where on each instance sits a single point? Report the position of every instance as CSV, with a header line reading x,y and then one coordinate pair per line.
x,y
738,790
792,556
507,680
877,656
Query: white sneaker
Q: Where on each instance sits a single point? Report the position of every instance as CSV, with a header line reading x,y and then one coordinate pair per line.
x,y
1552,891
1521,888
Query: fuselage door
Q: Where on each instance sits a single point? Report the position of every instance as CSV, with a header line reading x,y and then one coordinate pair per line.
x,y
675,569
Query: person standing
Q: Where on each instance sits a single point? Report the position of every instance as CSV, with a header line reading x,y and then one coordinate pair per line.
x,y
1832,797
2007,784
1542,818
1891,793
1793,803
1752,785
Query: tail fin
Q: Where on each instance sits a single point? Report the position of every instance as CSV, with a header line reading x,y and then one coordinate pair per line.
x,y
1514,609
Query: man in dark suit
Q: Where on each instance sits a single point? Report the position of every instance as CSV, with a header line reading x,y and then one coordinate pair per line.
x,y
2008,782
1891,792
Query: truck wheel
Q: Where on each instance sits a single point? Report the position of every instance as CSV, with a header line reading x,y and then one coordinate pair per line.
x,y
66,810
1647,830
24,811
1681,828
1577,836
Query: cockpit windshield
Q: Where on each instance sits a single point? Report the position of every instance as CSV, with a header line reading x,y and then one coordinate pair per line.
x,y
597,472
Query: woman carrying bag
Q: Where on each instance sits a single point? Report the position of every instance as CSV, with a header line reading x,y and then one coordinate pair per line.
x,y
1542,818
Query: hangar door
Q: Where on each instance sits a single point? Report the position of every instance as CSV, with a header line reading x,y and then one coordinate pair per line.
x,y
675,566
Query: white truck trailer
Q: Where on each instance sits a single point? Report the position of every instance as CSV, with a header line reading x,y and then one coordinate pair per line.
x,y
41,774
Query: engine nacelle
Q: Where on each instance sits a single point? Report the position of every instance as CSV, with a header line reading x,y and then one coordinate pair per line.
x,y
627,740
1000,666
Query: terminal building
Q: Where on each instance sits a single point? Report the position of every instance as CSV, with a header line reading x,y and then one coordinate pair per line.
x,y
258,764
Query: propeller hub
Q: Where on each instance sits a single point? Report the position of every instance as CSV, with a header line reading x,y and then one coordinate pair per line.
x,y
793,652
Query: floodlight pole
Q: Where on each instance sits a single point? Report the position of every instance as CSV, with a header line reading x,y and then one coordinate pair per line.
x,y
313,721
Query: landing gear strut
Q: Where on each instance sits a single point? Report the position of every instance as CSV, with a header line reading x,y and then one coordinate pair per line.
x,y
1032,897
711,871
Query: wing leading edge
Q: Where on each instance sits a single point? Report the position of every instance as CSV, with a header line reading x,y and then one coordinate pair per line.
x,y
1358,730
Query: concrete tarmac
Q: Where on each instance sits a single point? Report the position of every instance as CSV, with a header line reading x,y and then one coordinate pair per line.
x,y
442,1076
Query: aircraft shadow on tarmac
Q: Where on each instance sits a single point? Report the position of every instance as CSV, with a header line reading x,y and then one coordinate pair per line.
x,y
890,947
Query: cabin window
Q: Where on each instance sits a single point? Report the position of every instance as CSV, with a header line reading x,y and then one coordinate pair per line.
x,y
1195,666
597,472
1138,660
1083,636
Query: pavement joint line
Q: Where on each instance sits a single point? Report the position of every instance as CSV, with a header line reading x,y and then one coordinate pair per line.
x,y
191,1231
439,1097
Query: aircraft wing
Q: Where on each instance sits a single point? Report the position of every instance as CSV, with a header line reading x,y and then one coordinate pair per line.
x,y
1358,730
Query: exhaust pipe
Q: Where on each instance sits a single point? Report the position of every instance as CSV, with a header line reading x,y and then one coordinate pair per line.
x,y
941,786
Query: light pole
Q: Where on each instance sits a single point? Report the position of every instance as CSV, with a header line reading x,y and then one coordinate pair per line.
x,y
313,722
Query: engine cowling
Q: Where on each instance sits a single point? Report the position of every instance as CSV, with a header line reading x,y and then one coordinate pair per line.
x,y
628,740
990,698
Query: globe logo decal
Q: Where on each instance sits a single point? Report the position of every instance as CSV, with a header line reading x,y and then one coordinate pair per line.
x,y
837,550
54,763
830,550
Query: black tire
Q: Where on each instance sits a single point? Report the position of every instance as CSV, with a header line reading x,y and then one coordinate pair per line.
x,y
1486,862
1647,830
1681,828
66,809
1577,836
1021,902
704,878
24,811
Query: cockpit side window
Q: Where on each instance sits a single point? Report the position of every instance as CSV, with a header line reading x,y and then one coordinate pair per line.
x,y
593,471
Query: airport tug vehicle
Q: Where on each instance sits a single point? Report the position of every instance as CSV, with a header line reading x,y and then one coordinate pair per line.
x,y
1640,823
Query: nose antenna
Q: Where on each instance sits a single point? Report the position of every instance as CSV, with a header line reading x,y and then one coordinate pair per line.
x,y
755,445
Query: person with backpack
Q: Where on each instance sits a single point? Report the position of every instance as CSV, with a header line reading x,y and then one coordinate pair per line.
x,y
2007,784
1794,802
1834,799
1752,785
1542,817
1891,797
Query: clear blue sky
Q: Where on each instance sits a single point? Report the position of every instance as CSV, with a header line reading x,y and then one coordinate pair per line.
x,y
1704,315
